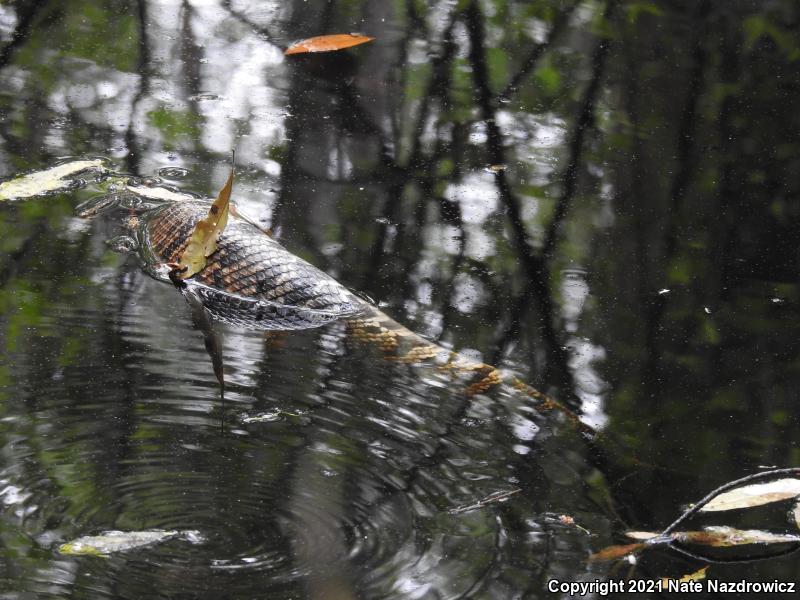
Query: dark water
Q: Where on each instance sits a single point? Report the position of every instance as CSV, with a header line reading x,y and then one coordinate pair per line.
x,y
602,197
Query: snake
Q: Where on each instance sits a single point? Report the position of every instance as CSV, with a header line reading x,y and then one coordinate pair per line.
x,y
254,282
250,280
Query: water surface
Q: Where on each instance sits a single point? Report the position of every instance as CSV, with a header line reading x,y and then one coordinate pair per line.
x,y
601,197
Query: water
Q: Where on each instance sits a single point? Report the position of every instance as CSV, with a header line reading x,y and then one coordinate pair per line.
x,y
614,222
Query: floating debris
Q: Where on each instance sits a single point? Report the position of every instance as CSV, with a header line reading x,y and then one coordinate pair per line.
x,y
490,499
110,542
755,495
49,180
328,43
269,416
204,96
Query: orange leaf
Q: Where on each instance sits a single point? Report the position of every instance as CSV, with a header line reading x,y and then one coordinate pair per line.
x,y
328,43
614,552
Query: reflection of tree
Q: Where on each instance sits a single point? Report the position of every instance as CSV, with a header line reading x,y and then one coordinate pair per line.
x,y
132,158
27,12
686,135
536,266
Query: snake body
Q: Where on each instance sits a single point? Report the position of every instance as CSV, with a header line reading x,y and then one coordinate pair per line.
x,y
250,280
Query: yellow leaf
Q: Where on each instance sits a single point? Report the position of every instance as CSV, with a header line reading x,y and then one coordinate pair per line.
x,y
696,576
755,495
328,43
203,241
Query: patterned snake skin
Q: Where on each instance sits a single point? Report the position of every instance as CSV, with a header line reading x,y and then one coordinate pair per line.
x,y
254,282
251,280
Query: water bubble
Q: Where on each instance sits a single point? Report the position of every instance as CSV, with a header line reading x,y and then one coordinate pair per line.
x,y
173,172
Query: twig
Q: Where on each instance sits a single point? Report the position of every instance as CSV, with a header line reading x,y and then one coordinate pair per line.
x,y
490,499
724,488
721,561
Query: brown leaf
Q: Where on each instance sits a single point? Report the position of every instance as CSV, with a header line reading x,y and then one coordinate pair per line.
x,y
328,43
203,241
722,536
614,552
755,495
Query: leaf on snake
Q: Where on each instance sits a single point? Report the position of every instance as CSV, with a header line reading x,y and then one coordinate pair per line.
x,y
328,43
755,495
110,542
203,241
47,181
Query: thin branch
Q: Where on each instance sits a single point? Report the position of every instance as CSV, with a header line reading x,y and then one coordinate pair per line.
x,y
724,488
725,561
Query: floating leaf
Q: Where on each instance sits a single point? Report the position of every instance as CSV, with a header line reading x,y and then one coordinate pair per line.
x,y
641,535
203,241
696,576
723,536
109,542
158,193
328,43
47,181
615,552
755,495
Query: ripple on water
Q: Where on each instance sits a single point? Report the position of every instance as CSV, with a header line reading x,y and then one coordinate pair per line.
x,y
116,423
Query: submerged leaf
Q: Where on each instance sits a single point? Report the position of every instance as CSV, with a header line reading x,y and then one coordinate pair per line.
x,y
47,181
723,536
696,576
755,495
203,241
328,43
614,552
119,541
